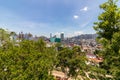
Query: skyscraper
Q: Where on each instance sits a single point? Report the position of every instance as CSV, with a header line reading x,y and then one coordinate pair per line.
x,y
50,35
62,36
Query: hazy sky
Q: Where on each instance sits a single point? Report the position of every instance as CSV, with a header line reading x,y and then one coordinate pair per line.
x,y
42,17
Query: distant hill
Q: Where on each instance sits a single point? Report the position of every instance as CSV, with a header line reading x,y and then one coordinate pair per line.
x,y
85,36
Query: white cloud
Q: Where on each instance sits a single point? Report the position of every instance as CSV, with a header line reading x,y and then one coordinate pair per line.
x,y
84,24
75,16
84,9
75,33
57,34
78,33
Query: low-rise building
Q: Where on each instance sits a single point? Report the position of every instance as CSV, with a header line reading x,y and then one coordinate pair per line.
x,y
93,59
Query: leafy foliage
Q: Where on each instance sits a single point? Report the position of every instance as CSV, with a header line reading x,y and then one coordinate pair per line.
x,y
108,29
71,61
4,35
28,60
109,20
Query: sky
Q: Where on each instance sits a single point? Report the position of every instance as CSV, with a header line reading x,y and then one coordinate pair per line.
x,y
42,17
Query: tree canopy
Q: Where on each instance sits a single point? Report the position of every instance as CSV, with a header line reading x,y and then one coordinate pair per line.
x,y
28,60
108,30
109,20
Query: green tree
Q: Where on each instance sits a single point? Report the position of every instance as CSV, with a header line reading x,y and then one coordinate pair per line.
x,y
108,30
71,61
4,35
26,61
111,55
40,45
109,20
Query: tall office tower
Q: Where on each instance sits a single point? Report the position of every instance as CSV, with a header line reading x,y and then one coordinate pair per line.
x,y
50,35
62,36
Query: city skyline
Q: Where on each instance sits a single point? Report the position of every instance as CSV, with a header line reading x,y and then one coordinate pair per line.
x,y
40,17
